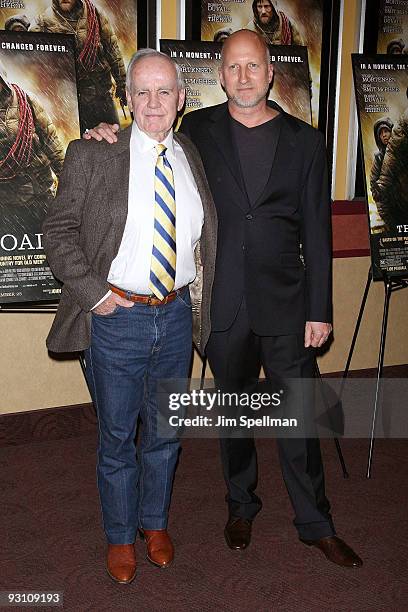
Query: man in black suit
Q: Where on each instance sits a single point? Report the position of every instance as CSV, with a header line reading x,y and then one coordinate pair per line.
x,y
268,175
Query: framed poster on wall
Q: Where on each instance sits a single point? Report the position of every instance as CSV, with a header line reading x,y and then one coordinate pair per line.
x,y
199,62
317,22
105,39
39,117
283,22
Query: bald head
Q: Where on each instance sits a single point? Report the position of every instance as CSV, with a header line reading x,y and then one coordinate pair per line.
x,y
245,71
245,38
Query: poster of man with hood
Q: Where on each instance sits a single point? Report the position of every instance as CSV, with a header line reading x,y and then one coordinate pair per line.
x,y
105,37
381,92
38,119
280,22
393,27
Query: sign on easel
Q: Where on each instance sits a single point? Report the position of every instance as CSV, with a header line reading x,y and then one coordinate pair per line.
x,y
382,103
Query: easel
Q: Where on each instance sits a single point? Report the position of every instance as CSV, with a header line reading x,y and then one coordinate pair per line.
x,y
391,284
319,377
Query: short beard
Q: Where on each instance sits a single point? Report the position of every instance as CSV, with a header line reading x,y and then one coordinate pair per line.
x,y
248,103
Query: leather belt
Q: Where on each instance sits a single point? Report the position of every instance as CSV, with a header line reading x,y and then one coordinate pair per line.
x,y
150,300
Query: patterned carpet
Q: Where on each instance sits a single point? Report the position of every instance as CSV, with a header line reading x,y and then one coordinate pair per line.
x,y
51,537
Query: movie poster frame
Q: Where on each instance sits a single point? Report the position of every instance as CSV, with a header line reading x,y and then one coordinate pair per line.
x,y
146,33
370,45
377,273
328,69
331,14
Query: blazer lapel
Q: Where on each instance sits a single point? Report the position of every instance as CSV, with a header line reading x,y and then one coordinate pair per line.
x,y
275,141
279,147
220,131
116,172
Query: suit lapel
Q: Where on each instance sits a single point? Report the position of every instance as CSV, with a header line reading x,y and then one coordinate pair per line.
x,y
275,141
220,131
116,172
280,148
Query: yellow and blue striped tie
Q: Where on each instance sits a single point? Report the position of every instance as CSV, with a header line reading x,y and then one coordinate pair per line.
x,y
163,262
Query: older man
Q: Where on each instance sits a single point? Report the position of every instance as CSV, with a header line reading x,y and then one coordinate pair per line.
x,y
268,176
123,237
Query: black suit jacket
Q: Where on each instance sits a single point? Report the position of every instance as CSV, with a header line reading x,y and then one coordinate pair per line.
x,y
258,250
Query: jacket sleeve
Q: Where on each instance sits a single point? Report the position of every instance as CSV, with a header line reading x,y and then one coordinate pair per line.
x,y
316,236
63,238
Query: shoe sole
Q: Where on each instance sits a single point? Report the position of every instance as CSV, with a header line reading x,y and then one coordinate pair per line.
x,y
142,537
312,544
234,547
120,581
166,565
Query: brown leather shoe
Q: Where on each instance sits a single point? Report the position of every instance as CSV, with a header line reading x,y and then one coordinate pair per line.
x,y
237,532
336,551
160,549
121,562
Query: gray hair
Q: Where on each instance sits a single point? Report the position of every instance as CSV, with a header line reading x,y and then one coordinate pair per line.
x,y
141,55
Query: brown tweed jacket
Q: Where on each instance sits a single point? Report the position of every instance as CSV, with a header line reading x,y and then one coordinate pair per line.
x,y
83,231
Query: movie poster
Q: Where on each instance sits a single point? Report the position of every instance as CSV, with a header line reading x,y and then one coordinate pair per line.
x,y
38,119
381,91
393,27
199,62
281,22
105,36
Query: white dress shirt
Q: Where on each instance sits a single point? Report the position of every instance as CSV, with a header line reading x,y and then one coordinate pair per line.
x,y
130,270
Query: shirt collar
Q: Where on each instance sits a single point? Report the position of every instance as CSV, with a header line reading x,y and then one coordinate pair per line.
x,y
143,143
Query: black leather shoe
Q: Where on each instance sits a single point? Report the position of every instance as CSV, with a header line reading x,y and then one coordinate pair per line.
x,y
336,551
237,532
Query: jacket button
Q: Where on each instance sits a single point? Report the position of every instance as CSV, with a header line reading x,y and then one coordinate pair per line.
x,y
249,216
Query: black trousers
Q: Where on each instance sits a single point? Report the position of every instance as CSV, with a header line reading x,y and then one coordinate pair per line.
x,y
235,357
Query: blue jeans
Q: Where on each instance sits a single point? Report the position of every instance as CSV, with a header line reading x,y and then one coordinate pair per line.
x,y
131,349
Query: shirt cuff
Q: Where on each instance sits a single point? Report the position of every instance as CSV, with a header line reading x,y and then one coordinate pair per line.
x,y
102,300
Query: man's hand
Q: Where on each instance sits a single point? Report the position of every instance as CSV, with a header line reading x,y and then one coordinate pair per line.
x,y
103,131
316,333
108,306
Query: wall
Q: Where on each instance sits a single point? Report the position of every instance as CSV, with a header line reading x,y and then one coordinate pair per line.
x,y
349,44
32,380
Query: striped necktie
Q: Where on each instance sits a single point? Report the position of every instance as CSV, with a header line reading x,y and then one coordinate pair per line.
x,y
163,262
